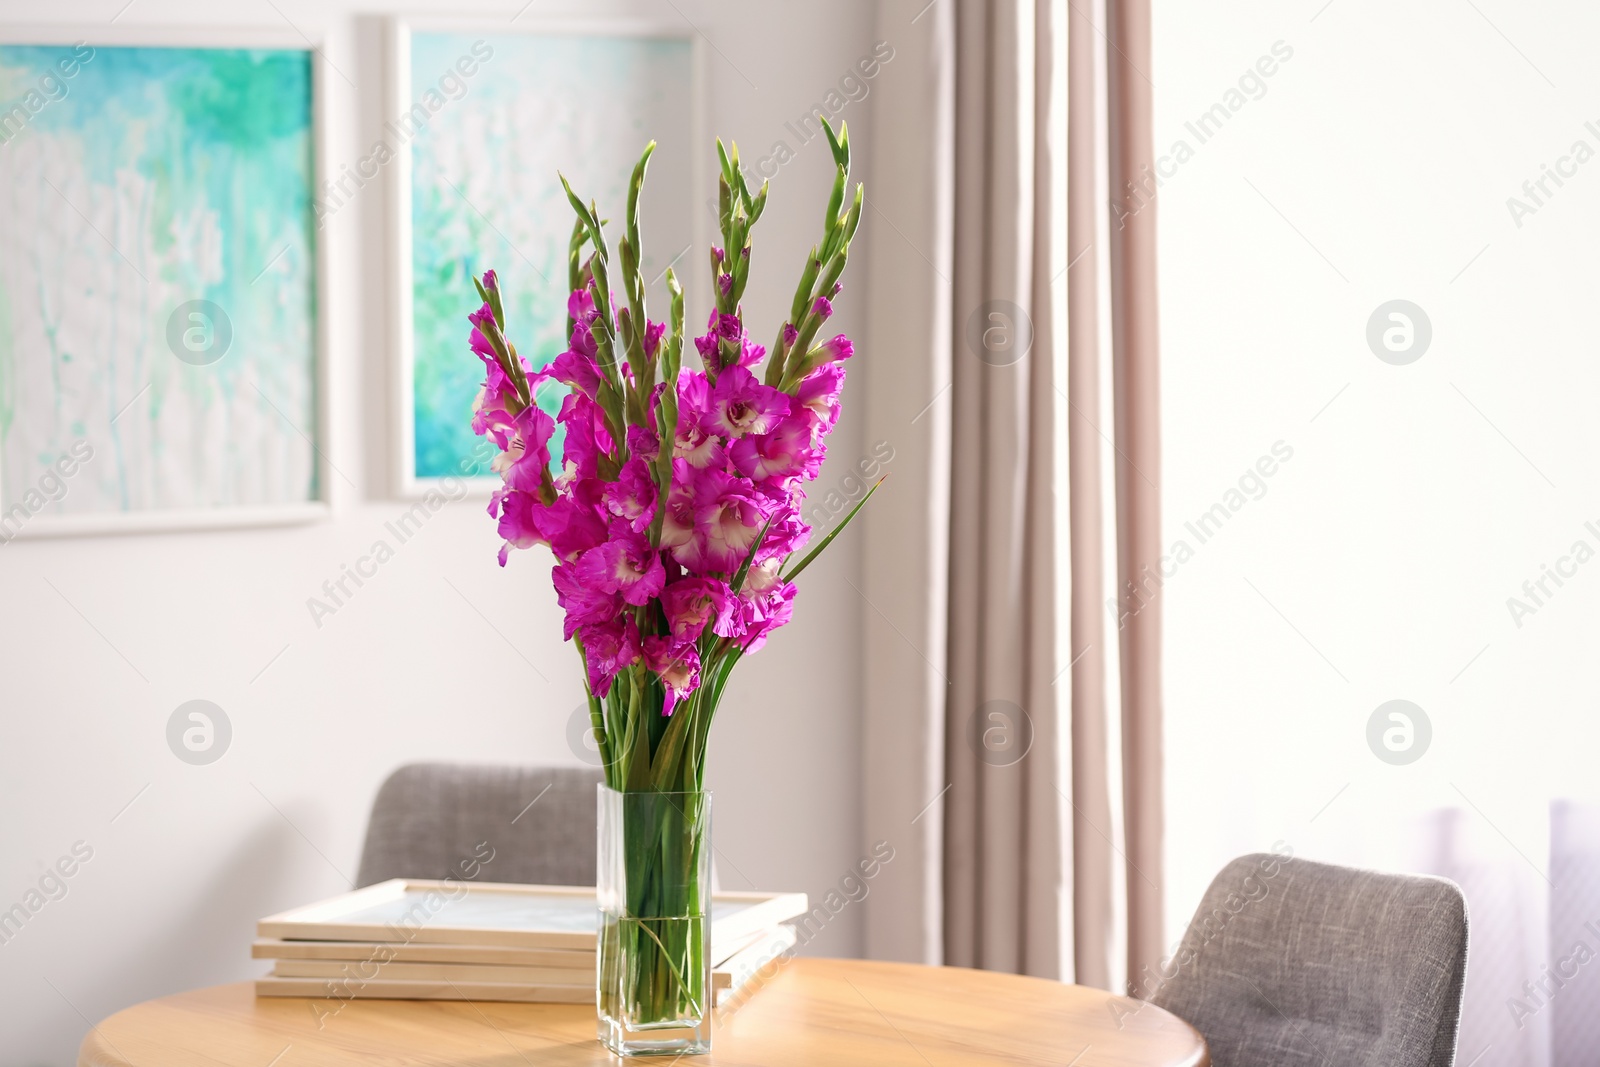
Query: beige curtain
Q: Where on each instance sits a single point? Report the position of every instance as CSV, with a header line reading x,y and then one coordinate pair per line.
x,y
1138,465
1003,873
1091,793
984,753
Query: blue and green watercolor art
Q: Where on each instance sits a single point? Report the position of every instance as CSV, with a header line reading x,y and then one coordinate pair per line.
x,y
490,120
157,276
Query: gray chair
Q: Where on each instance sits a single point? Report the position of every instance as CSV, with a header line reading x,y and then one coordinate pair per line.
x,y
1290,962
486,824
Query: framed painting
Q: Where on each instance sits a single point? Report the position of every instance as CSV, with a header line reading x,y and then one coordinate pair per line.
x,y
161,307
484,114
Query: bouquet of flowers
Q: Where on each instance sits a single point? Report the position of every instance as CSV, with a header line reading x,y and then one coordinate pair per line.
x,y
673,515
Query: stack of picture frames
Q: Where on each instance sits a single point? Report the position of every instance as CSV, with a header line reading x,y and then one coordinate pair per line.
x,y
448,940
170,199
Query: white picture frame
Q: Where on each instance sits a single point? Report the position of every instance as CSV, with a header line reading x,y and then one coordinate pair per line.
x,y
408,484
153,520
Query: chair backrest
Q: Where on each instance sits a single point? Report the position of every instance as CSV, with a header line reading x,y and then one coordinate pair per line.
x,y
1290,962
488,824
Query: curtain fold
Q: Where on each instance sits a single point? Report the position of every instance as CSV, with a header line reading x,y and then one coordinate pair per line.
x,y
1135,359
1003,858
1091,789
977,742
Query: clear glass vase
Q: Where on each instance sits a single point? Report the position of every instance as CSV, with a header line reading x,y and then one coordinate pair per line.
x,y
653,967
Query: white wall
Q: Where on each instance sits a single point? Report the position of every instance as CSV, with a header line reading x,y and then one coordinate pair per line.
x,y
1377,165
411,668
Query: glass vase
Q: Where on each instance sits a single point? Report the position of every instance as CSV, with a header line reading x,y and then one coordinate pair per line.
x,y
653,968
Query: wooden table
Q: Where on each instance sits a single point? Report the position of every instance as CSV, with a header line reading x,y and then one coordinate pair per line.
x,y
813,1012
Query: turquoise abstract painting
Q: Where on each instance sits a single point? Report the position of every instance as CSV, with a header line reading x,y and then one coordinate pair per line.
x,y
492,119
157,280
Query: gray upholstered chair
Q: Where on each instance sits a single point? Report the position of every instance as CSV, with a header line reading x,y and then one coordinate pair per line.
x,y
1290,962
486,824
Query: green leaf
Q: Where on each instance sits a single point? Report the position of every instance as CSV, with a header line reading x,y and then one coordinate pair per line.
x,y
830,217
580,236
675,328
631,251
725,210
744,568
669,752
738,177
802,293
835,532
597,722
854,218
839,144
633,192
759,204
590,222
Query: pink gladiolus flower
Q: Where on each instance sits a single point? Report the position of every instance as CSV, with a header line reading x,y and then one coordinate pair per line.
x,y
489,409
573,527
677,524
764,612
751,353
711,520
787,532
819,393
580,307
626,565
582,340
694,393
576,369
728,517
632,497
527,456
677,664
693,443
762,576
739,404
719,328
608,648
569,527
587,437
838,348
689,604
480,345
653,332
585,604
642,442
518,525
786,452
706,345
630,555
489,414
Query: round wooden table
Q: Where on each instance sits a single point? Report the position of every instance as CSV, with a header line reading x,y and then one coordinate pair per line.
x,y
811,1012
